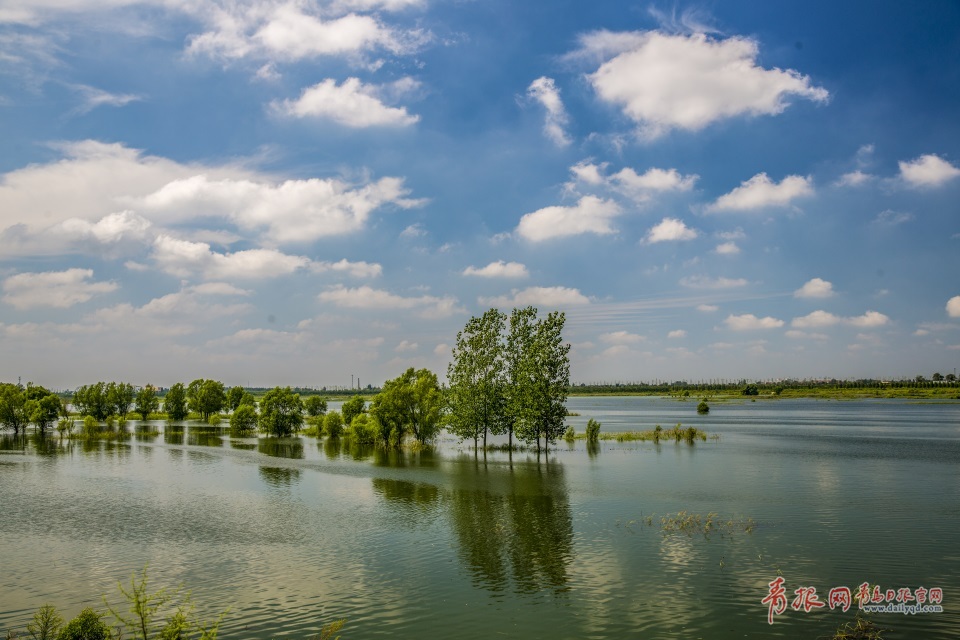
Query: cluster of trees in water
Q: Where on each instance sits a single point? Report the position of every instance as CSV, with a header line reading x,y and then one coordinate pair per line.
x,y
509,375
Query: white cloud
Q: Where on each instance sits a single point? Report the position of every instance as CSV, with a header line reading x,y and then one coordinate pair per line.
x,y
706,282
854,179
759,192
93,98
544,90
589,172
358,269
498,269
368,298
793,334
59,289
727,249
112,187
352,104
590,215
115,234
415,230
406,346
707,308
621,338
183,258
654,179
441,349
890,218
820,318
538,296
953,307
677,333
665,82
750,322
668,230
815,288
928,171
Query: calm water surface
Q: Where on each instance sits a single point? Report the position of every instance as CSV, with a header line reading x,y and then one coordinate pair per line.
x,y
291,534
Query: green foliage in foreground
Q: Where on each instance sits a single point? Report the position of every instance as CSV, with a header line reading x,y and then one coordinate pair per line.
x,y
140,619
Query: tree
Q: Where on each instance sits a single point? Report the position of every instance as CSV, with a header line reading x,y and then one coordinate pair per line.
x,y
206,397
315,406
92,400
175,402
352,408
951,377
938,377
750,390
146,402
546,372
243,421
333,424
120,396
281,412
13,409
411,402
234,397
43,412
476,399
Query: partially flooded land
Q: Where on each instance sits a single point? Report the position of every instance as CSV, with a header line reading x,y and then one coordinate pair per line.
x,y
618,538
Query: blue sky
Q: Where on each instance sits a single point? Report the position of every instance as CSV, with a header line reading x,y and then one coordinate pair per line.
x,y
297,191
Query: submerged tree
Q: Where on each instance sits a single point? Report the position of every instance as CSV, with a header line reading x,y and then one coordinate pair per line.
x,y
352,408
93,400
476,400
315,406
13,409
146,401
281,412
175,402
206,397
120,396
411,402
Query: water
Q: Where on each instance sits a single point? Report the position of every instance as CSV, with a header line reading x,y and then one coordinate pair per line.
x,y
289,535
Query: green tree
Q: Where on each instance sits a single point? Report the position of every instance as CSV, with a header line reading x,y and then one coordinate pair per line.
x,y
175,402
13,408
234,396
315,406
539,374
938,377
352,407
476,397
88,625
206,397
951,377
281,412
120,396
411,402
92,400
750,390
43,412
363,429
333,424
146,402
46,623
243,421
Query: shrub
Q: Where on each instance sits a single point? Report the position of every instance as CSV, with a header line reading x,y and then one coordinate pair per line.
x,y
90,426
361,430
46,623
570,434
243,421
214,419
315,406
65,426
703,407
333,424
88,625
593,430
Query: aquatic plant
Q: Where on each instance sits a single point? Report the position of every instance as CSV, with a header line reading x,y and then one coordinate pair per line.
x,y
859,629
703,407
694,523
593,430
570,434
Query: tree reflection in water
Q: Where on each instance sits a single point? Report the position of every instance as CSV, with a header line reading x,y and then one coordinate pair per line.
x,y
279,476
291,448
513,521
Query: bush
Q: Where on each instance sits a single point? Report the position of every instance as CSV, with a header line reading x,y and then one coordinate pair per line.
x,y
65,426
88,625
333,424
90,426
214,419
750,390
362,431
703,407
315,406
243,421
570,434
46,623
593,430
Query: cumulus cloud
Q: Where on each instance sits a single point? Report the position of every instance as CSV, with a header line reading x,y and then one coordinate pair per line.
x,y
119,233
820,318
359,269
953,307
854,179
760,192
672,81
351,104
750,322
58,289
706,282
368,298
183,259
637,186
406,346
621,338
707,308
93,98
113,187
670,230
815,288
928,171
677,333
498,269
538,296
544,90
727,249
590,215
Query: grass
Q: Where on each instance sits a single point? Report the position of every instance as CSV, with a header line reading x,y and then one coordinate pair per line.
x,y
859,629
696,524
658,433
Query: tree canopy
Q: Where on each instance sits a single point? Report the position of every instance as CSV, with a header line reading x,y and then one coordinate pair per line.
x,y
175,402
281,412
206,397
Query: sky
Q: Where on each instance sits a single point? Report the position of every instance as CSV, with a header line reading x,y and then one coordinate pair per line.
x,y
309,192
